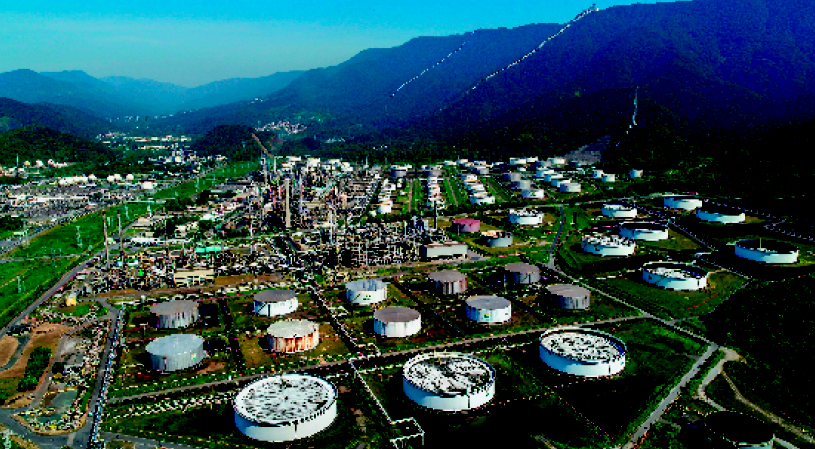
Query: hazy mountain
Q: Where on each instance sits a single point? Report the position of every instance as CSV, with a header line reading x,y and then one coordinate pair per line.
x,y
65,119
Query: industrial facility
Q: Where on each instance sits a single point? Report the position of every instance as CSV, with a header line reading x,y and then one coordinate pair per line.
x,y
767,251
176,352
488,309
681,202
645,231
449,282
289,336
175,314
449,381
618,211
719,214
443,250
285,408
522,273
607,245
570,296
675,276
582,352
364,292
397,322
275,302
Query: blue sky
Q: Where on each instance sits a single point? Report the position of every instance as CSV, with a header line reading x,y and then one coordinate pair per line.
x,y
195,42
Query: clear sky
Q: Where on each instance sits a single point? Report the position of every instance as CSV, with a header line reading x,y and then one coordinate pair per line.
x,y
195,42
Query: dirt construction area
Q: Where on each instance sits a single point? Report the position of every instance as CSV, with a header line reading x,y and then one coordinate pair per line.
x,y
7,347
47,335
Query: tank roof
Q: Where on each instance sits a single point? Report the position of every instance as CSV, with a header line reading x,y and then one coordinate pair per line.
x,y
614,241
767,245
466,221
174,307
275,295
366,285
396,314
449,373
675,269
174,344
739,428
284,399
447,276
644,225
488,302
292,328
521,267
711,208
583,345
568,290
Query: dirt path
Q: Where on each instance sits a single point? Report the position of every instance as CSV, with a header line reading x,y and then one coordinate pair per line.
x,y
8,345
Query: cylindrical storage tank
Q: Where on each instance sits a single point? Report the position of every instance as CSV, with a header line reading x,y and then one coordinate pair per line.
x,y
366,291
517,161
450,282
646,231
176,352
397,322
449,381
481,170
175,314
572,187
634,173
287,407
719,214
556,182
521,184
513,176
675,276
466,225
618,211
147,185
488,309
550,176
557,161
607,245
570,296
398,172
289,336
532,194
525,217
542,172
482,198
736,430
608,177
497,239
767,251
681,202
596,173
522,273
384,208
582,352
275,302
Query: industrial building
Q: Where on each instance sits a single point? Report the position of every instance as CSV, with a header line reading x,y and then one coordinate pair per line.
x,y
176,352
186,277
675,276
681,202
525,217
466,225
607,245
293,336
175,314
448,381
275,302
733,430
618,211
488,309
497,239
645,231
522,273
449,282
364,292
285,408
397,322
766,251
719,214
569,296
444,250
582,352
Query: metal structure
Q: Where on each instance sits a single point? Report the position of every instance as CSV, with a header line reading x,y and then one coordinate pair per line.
x,y
448,381
525,217
719,214
275,302
572,187
443,250
488,309
176,352
522,273
289,336
646,231
366,291
497,239
285,408
466,225
607,245
618,211
570,296
175,314
397,322
766,251
449,282
681,202
675,276
582,352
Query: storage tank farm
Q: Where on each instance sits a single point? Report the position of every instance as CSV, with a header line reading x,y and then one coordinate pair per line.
x,y
736,430
466,225
525,217
488,309
607,245
275,302
719,214
366,291
176,352
645,231
290,336
397,322
448,381
675,276
582,352
175,314
449,282
497,239
766,251
618,211
522,273
570,296
285,408
681,202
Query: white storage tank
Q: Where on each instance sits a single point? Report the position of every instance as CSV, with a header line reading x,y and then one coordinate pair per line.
x,y
175,314
522,273
287,407
525,217
607,245
570,296
634,173
290,336
488,309
176,352
521,184
767,251
366,291
497,239
582,352
608,177
532,194
675,276
645,231
449,381
513,176
618,211
449,282
275,302
596,173
397,322
482,198
681,202
572,187
719,214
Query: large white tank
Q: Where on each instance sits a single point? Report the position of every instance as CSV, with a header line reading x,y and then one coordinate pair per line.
x,y
532,194
572,187
175,314
607,245
275,302
618,211
176,352
290,336
522,273
608,177
366,291
570,296
634,173
767,251
397,322
525,217
449,282
449,381
719,214
582,352
286,407
675,276
488,309
681,202
645,231
482,198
